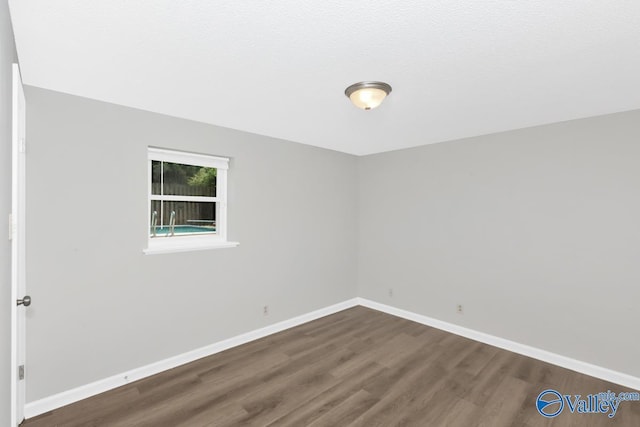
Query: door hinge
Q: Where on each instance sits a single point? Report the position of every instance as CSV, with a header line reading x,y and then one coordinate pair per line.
x,y
22,146
10,226
21,372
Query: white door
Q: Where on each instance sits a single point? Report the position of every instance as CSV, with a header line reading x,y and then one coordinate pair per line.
x,y
19,301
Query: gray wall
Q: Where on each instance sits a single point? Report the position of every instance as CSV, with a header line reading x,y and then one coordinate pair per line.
x,y
7,57
536,232
102,307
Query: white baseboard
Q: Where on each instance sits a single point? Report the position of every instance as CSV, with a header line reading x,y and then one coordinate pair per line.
x,y
50,403
55,401
536,353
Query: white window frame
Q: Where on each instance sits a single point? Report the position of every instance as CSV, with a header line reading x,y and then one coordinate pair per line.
x,y
162,244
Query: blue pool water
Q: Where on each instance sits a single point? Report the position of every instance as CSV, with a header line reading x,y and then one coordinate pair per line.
x,y
179,229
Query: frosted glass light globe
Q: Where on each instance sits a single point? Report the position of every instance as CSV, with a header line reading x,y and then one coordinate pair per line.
x,y
367,95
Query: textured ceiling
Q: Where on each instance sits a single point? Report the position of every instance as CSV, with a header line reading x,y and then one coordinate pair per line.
x,y
458,68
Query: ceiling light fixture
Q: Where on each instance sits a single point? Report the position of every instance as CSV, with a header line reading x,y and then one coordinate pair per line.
x,y
367,95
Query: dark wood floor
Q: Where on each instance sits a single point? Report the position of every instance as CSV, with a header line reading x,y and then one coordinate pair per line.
x,y
358,367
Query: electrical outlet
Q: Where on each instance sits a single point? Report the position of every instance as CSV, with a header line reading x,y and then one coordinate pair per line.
x,y
265,310
459,308
390,292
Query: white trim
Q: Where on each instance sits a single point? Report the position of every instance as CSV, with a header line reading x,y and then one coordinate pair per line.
x,y
186,158
515,347
18,246
172,198
50,403
173,244
221,207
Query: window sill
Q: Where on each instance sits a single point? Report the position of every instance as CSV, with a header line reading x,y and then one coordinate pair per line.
x,y
186,247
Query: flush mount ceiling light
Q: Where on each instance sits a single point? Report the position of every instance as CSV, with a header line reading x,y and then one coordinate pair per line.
x,y
367,95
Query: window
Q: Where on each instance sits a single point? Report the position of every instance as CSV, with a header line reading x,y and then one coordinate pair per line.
x,y
187,207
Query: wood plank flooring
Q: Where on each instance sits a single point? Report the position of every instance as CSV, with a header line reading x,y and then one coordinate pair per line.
x,y
358,367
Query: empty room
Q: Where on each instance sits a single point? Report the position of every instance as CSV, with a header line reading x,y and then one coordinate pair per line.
x,y
320,213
